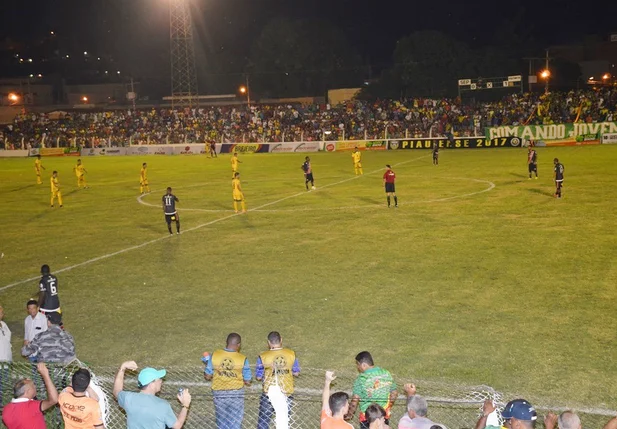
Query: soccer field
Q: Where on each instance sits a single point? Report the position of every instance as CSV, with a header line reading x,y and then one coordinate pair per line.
x,y
480,276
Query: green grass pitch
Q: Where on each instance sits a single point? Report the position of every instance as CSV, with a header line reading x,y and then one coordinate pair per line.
x,y
480,276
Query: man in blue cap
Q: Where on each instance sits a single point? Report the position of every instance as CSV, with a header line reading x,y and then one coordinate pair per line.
x,y
145,410
518,410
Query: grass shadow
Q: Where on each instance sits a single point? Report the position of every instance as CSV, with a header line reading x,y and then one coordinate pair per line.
x,y
22,188
152,228
540,192
368,200
522,176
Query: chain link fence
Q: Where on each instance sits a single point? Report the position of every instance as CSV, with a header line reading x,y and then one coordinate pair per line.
x,y
454,406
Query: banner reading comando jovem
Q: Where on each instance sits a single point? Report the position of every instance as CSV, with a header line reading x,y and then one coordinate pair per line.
x,y
556,134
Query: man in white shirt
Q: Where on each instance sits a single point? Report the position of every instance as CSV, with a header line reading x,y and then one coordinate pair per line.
x,y
6,355
35,323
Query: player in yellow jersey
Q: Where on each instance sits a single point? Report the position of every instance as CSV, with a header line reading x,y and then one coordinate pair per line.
x,y
237,193
55,189
80,172
37,169
234,165
143,179
356,155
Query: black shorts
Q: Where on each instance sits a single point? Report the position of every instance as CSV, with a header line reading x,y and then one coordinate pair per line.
x,y
309,177
390,187
435,155
533,167
171,218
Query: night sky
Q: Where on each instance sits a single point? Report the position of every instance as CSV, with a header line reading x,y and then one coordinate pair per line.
x,y
133,35
373,26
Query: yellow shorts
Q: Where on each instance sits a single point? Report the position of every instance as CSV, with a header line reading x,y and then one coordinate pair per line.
x,y
238,196
357,164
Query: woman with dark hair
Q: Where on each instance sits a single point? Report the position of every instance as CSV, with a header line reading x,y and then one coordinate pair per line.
x,y
376,417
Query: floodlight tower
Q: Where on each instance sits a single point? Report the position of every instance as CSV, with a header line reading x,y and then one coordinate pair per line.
x,y
183,73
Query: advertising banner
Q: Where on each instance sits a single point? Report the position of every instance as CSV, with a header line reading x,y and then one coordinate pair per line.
x,y
13,153
116,151
151,150
244,147
556,134
609,138
190,149
362,145
294,147
329,146
455,143
59,151
104,151
34,152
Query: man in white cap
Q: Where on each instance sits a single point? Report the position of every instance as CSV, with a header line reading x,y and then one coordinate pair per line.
x,y
145,410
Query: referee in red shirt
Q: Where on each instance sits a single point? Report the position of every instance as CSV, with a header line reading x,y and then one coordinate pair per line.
x,y
388,180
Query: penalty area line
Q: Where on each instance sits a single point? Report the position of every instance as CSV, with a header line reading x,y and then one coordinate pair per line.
x,y
195,228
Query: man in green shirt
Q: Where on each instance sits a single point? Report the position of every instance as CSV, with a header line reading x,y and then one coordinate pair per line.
x,y
374,385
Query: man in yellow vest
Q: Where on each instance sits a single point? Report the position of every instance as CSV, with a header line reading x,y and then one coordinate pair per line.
x,y
276,367
229,371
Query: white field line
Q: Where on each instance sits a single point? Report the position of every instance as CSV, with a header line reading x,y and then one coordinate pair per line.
x,y
490,187
167,236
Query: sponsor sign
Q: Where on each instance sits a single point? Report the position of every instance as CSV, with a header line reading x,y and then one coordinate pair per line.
x,y
609,138
93,152
245,147
59,151
14,153
190,149
455,143
116,151
556,134
34,152
151,150
330,147
294,147
362,145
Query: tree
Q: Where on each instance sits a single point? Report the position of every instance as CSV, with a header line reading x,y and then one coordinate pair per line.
x,y
430,63
302,58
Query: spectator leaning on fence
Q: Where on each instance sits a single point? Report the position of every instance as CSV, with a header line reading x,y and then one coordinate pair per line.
x,y
417,409
566,420
333,407
55,345
373,385
24,412
145,410
80,404
276,367
6,354
520,413
229,371
376,417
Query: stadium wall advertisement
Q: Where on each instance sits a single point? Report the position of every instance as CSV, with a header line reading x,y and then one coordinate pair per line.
x,y
360,144
57,151
294,147
556,134
609,138
243,147
14,153
454,143
105,151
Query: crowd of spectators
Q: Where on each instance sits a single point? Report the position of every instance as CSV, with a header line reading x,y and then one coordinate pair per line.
x,y
353,120
369,405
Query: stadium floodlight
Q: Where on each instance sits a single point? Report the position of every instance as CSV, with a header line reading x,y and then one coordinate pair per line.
x,y
13,97
184,92
591,78
545,74
606,76
243,89
84,99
